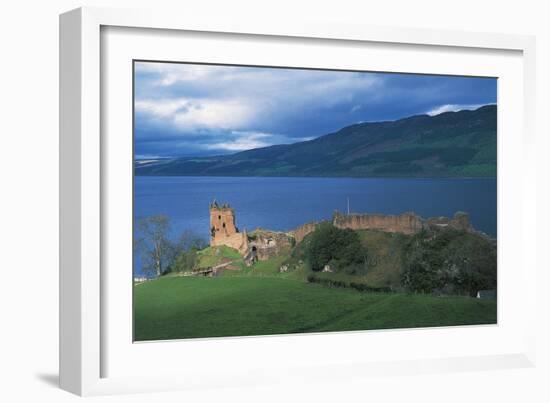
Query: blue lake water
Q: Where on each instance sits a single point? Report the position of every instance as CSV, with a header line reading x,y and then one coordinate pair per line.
x,y
285,203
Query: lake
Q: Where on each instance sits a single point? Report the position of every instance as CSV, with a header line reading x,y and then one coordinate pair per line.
x,y
284,203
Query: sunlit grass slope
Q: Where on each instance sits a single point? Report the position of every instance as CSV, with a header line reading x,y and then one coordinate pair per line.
x,y
193,307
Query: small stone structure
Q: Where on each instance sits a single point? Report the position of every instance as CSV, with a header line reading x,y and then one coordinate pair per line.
x,y
460,221
264,244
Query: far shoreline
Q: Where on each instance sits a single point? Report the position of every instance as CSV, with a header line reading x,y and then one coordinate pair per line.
x,y
317,177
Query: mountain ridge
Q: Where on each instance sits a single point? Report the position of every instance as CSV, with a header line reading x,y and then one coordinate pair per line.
x,y
450,144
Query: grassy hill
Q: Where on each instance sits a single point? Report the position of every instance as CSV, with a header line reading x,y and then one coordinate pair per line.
x,y
193,307
452,144
385,260
260,299
216,255
385,254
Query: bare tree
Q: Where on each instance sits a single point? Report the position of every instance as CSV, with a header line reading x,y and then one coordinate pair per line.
x,y
189,240
154,244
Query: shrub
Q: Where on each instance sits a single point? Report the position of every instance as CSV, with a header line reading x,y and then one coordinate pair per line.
x,y
473,262
185,261
449,261
327,282
339,248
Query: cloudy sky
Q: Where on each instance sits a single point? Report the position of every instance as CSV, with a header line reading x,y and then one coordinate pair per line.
x,y
197,110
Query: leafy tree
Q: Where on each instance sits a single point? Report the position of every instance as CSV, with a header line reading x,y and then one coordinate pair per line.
x,y
185,261
187,247
339,248
474,261
449,261
425,270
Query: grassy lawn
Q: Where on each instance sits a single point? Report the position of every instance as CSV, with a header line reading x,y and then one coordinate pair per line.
x,y
193,307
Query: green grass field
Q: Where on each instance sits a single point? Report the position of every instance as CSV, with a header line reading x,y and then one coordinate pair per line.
x,y
194,307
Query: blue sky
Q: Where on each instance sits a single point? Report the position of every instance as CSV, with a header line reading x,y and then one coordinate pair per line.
x,y
199,110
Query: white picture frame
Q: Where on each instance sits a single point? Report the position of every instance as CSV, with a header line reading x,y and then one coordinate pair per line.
x,y
86,313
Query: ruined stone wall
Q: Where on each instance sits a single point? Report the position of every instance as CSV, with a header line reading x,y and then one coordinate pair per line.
x,y
237,241
267,244
302,231
264,244
460,221
406,223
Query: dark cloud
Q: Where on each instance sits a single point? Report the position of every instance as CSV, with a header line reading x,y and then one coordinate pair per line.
x,y
186,109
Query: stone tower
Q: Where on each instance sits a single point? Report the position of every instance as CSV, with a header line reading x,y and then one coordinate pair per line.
x,y
222,220
223,230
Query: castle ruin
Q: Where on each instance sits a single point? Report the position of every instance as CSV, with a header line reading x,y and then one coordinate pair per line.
x,y
223,230
406,223
263,244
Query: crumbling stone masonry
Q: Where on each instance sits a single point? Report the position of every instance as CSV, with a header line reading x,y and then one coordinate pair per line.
x,y
223,230
263,244
406,223
301,232
259,245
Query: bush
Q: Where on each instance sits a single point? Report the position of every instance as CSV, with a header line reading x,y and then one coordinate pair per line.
x,y
327,282
339,248
449,261
185,261
473,262
185,252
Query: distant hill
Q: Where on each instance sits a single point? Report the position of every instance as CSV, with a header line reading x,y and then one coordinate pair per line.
x,y
452,144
